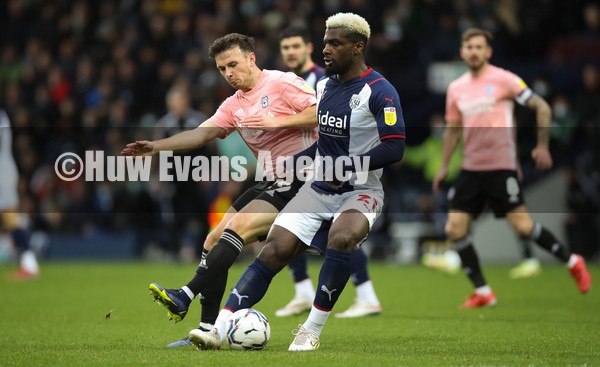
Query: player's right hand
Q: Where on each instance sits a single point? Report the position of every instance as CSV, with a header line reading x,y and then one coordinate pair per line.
x,y
264,123
139,148
542,157
441,176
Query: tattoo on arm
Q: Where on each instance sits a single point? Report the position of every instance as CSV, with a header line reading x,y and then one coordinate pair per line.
x,y
543,116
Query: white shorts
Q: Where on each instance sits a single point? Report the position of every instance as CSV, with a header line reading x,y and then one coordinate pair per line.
x,y
310,214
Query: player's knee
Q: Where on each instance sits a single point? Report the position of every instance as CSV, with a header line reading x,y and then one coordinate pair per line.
x,y
244,226
342,240
237,224
523,228
454,230
276,254
9,221
272,258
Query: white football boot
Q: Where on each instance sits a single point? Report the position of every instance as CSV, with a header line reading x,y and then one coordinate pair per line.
x,y
205,340
359,309
296,306
304,340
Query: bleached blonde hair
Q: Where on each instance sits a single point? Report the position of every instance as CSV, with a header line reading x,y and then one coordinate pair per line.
x,y
350,22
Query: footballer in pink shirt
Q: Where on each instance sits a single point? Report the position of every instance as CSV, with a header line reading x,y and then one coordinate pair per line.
x,y
483,105
480,104
252,113
274,112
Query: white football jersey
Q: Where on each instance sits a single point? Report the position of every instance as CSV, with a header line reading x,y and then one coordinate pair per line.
x,y
10,175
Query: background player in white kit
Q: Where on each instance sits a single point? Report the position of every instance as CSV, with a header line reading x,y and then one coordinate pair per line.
x,y
11,221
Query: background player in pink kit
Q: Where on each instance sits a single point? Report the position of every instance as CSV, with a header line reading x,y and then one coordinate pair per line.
x,y
273,111
296,48
481,102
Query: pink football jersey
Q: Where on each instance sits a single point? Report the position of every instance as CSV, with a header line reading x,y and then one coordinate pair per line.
x,y
485,108
276,94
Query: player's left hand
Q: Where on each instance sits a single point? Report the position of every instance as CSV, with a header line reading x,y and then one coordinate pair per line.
x,y
139,148
264,123
438,179
542,158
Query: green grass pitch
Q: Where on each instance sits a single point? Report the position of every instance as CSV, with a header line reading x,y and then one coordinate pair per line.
x,y
60,320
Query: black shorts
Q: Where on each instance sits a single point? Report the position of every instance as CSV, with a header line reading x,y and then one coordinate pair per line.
x,y
277,193
472,190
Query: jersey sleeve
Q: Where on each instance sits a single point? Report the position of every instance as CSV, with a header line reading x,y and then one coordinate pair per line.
x,y
452,111
223,117
296,92
385,106
517,88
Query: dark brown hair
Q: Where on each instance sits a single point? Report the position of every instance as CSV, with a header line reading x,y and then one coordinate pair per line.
x,y
295,31
229,41
472,32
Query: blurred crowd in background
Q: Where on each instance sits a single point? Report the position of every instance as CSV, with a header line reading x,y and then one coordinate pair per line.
x,y
95,75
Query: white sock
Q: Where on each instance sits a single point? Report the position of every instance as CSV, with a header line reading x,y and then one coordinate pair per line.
x,y
188,292
305,289
316,320
572,261
29,262
483,291
221,322
205,326
366,293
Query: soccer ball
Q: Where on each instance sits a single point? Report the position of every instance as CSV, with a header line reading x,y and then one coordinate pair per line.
x,y
248,329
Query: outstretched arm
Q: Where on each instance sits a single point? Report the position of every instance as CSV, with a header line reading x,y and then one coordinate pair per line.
x,y
185,140
541,154
451,136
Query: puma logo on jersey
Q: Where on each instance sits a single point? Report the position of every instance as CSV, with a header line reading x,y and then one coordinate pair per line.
x,y
239,296
329,292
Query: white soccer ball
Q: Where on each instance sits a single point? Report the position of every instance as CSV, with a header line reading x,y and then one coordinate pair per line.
x,y
248,329
453,262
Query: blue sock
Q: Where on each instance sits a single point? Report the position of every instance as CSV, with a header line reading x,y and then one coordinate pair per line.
x,y
251,287
19,237
359,267
333,277
298,268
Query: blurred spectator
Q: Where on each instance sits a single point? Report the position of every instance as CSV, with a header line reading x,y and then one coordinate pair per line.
x,y
181,115
583,176
565,125
182,209
584,45
587,102
77,75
